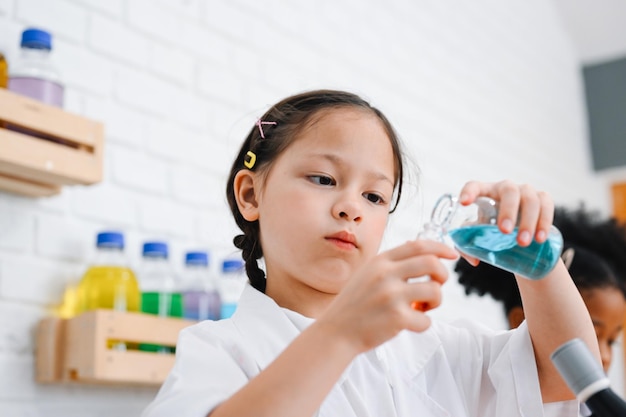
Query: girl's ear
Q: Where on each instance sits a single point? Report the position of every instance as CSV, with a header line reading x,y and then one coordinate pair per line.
x,y
245,194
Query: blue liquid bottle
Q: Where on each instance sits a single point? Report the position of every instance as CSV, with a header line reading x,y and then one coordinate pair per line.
x,y
474,231
232,282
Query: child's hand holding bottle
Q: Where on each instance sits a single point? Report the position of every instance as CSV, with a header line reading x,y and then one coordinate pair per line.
x,y
502,224
378,301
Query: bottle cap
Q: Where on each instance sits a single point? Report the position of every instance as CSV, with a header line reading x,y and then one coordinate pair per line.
x,y
232,265
197,258
36,39
155,249
110,240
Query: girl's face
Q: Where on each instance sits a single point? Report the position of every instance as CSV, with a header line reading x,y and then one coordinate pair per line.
x,y
323,208
607,308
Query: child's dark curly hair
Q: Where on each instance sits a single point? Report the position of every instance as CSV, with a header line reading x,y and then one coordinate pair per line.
x,y
598,247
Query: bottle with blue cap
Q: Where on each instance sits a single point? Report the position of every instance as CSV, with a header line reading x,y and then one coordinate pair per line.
x,y
201,299
160,294
109,283
33,74
232,282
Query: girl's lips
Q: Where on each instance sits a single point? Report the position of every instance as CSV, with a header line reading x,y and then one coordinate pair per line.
x,y
345,240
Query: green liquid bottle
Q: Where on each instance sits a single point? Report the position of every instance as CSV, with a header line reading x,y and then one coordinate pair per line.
x,y
109,283
159,290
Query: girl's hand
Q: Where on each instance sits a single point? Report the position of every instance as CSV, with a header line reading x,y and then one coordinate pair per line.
x,y
535,209
376,303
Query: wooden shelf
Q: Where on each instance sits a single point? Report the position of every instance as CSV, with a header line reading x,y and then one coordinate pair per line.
x,y
45,148
78,350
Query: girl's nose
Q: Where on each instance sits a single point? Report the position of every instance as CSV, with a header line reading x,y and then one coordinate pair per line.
x,y
347,209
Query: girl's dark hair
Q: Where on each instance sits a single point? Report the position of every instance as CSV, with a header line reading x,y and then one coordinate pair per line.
x,y
599,259
291,116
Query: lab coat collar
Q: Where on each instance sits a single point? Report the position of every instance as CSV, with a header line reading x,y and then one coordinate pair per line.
x,y
256,311
253,316
402,361
415,349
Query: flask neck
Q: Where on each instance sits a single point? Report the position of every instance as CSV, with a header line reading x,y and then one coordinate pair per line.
x,y
443,212
448,214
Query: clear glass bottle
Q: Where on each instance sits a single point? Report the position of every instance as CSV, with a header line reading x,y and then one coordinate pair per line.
x,y
474,231
232,282
33,74
201,300
160,294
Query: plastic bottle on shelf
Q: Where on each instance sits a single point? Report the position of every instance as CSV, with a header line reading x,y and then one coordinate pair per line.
x,y
70,304
33,74
232,282
201,300
160,294
109,283
4,71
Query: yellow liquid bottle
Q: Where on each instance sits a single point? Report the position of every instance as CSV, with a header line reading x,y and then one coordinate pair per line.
x,y
109,283
109,287
4,71
69,306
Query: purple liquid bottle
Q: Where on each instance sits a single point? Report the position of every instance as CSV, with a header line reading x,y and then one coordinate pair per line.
x,y
201,300
34,75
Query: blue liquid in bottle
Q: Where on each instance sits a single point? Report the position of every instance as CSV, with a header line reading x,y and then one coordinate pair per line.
x,y
488,244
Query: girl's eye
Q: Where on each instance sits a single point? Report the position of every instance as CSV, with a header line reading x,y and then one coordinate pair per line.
x,y
374,198
322,180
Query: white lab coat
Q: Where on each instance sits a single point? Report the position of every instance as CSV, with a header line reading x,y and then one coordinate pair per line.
x,y
448,370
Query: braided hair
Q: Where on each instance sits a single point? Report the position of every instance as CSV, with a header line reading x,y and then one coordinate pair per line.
x,y
278,128
597,248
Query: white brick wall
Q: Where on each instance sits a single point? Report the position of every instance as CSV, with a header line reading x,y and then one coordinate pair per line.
x,y
481,90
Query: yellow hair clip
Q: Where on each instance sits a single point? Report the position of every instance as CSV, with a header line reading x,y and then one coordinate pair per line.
x,y
249,160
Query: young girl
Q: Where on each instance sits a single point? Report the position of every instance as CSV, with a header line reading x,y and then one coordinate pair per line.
x,y
332,327
595,255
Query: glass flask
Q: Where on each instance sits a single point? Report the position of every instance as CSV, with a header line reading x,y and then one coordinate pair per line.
x,y
474,231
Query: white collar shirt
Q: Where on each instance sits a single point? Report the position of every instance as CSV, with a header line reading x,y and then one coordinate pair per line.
x,y
460,370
